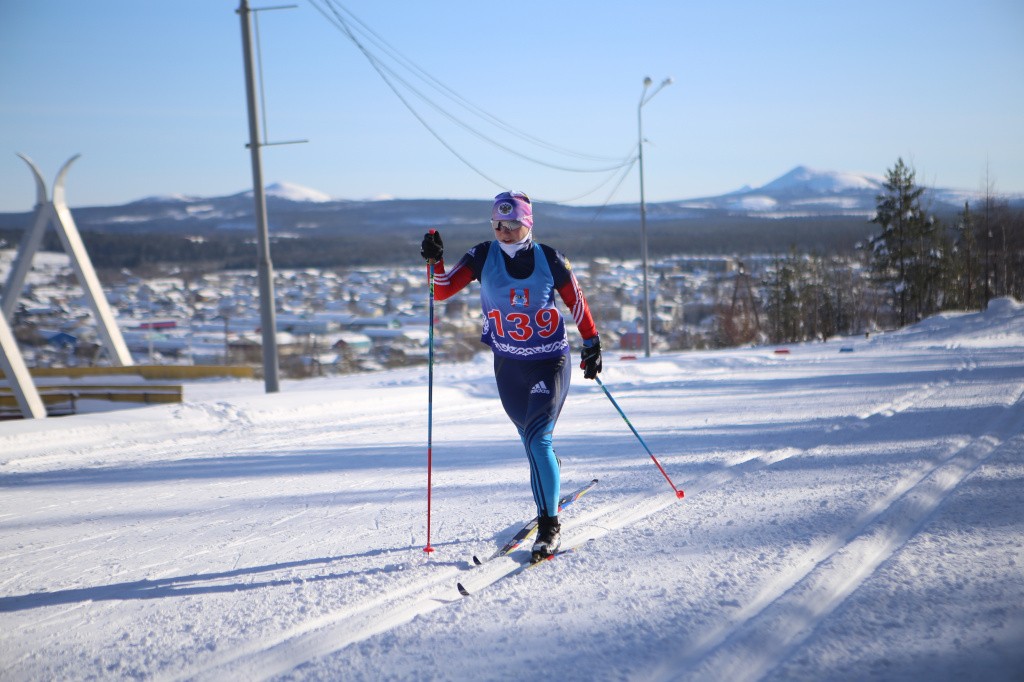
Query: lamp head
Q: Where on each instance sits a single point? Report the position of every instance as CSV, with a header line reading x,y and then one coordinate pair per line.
x,y
647,82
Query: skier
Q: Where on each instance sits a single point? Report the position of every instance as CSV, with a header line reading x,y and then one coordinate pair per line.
x,y
518,280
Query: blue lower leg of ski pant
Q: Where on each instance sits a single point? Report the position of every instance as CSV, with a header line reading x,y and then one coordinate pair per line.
x,y
545,478
532,393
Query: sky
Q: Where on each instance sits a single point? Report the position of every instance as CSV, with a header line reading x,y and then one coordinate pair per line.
x,y
152,95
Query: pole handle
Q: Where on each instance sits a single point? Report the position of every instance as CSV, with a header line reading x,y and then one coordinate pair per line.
x,y
430,262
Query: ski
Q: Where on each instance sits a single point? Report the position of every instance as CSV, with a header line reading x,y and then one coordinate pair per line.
x,y
525,566
531,527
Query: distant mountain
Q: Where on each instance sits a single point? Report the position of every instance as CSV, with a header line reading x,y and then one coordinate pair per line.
x,y
802,192
802,180
278,190
808,193
286,190
295,211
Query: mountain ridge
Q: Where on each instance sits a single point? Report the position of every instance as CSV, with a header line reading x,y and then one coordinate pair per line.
x,y
802,182
824,210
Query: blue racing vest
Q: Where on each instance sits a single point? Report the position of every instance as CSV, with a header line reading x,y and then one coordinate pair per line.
x,y
520,317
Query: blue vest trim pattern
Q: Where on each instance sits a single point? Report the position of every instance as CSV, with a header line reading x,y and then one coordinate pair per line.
x,y
520,317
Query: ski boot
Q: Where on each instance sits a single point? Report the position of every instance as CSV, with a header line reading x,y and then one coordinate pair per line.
x,y
548,539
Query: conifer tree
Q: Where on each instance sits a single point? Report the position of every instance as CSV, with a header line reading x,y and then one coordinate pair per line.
x,y
900,253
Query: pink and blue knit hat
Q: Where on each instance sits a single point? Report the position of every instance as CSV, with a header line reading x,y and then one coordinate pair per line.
x,y
513,206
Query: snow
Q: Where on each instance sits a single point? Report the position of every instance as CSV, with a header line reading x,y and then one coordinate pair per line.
x,y
165,199
848,516
753,203
841,203
293,192
821,181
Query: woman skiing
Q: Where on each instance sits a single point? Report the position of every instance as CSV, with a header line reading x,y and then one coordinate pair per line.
x,y
518,280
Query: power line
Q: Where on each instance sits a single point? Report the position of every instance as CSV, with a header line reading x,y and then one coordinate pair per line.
x,y
379,65
426,125
451,94
625,168
384,70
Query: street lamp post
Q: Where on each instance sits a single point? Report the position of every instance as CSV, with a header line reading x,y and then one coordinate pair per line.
x,y
644,99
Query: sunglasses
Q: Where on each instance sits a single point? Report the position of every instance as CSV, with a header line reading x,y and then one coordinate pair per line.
x,y
506,226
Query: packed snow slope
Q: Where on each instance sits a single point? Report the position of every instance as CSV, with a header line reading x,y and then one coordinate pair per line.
x,y
853,511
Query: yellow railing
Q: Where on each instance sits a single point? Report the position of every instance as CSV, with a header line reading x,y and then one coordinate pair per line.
x,y
64,399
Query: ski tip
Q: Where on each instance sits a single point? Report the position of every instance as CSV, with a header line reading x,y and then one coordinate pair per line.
x,y
462,590
477,561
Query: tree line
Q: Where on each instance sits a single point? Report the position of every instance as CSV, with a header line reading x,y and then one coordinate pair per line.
x,y
913,266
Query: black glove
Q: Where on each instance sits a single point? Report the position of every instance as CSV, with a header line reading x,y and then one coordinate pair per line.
x,y
432,248
590,358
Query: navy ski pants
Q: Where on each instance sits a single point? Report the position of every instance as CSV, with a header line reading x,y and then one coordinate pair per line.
x,y
532,393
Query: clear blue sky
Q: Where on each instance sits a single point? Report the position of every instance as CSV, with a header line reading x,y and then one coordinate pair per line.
x,y
152,95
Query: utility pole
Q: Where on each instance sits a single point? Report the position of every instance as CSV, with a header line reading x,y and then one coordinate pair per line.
x,y
268,314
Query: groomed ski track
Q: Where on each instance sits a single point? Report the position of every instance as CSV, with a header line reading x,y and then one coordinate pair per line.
x,y
246,541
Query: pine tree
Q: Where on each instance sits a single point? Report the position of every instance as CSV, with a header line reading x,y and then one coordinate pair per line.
x,y
900,254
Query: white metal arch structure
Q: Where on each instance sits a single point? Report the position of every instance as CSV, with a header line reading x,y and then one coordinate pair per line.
x,y
17,375
56,211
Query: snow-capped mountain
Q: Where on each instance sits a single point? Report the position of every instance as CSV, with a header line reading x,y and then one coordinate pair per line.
x,y
279,190
800,193
292,192
802,180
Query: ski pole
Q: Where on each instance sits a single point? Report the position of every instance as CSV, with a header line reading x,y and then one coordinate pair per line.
x,y
430,396
679,493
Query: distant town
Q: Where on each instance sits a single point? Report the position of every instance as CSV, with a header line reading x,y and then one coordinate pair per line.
x,y
824,254
356,319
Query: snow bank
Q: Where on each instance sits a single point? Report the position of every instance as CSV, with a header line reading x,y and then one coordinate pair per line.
x,y
1000,326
